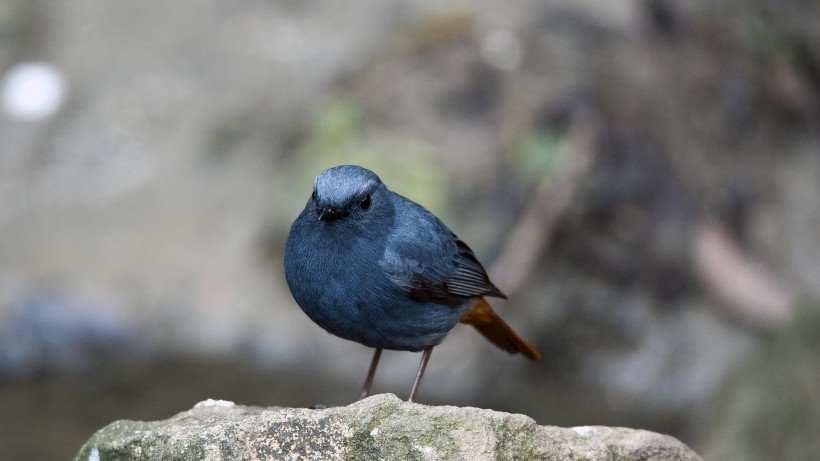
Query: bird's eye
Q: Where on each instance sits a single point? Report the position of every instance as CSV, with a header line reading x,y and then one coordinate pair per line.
x,y
365,203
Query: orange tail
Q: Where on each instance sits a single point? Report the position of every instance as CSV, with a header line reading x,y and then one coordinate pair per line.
x,y
489,324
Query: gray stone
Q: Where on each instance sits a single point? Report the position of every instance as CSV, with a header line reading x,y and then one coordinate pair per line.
x,y
381,427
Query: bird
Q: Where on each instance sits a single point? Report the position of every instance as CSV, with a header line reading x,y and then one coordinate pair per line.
x,y
369,265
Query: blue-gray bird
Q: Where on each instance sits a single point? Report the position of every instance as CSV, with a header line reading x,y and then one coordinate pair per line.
x,y
371,266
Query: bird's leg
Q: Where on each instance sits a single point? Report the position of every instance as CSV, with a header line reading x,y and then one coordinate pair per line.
x,y
370,373
425,357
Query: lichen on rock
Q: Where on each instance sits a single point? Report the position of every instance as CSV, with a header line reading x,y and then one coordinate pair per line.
x,y
381,427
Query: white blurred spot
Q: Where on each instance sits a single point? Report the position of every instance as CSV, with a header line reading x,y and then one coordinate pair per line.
x,y
214,403
501,49
32,91
585,431
426,452
94,455
374,432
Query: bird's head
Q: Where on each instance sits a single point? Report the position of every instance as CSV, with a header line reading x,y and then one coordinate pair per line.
x,y
347,191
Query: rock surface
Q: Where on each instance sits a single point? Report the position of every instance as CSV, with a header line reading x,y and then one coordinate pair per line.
x,y
381,427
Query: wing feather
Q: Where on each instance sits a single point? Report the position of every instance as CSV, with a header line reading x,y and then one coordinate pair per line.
x,y
430,262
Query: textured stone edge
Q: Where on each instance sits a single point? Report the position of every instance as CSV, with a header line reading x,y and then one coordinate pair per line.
x,y
374,428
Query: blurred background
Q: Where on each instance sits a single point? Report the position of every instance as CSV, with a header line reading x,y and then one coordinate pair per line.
x,y
641,177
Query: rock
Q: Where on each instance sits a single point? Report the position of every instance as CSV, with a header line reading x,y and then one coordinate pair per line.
x,y
379,427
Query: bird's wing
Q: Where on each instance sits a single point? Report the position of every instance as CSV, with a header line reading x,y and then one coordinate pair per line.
x,y
426,259
470,278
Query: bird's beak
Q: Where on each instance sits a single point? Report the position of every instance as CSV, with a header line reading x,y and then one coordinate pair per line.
x,y
326,213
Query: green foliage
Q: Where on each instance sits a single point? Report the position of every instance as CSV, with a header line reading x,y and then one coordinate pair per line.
x,y
539,153
773,410
338,136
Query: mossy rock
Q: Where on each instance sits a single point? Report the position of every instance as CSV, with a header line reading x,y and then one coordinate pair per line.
x,y
381,427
